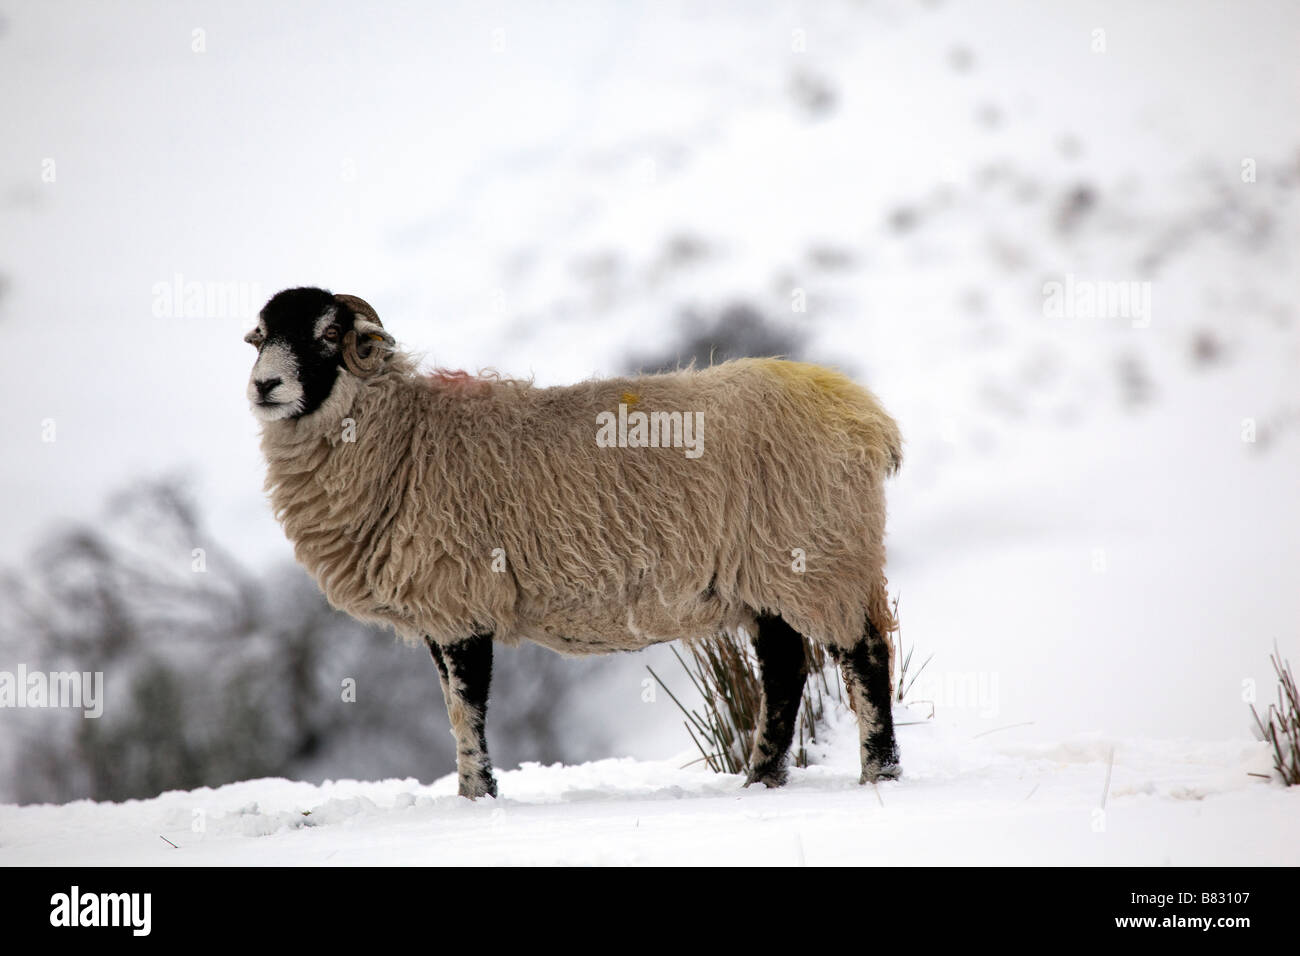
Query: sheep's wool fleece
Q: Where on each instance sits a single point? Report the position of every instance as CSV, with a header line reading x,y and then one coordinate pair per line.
x,y
448,505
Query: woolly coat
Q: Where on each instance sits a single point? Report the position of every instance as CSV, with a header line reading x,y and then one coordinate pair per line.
x,y
449,505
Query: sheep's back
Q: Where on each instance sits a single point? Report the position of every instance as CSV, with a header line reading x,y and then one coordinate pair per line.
x,y
615,547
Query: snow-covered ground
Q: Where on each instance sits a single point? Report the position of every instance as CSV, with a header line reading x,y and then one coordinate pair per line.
x,y
964,800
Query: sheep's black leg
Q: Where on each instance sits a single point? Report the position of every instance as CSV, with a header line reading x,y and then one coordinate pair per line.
x,y
784,668
865,667
465,671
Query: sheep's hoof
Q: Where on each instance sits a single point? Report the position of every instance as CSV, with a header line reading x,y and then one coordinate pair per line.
x,y
475,787
875,771
770,777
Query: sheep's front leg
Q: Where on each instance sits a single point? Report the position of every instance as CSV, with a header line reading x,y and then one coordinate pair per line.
x,y
465,670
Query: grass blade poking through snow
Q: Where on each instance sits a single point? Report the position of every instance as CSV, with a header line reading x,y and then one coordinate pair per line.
x,y
1281,729
904,683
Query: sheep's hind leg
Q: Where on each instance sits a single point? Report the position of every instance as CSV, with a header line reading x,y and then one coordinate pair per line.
x,y
865,667
465,671
784,667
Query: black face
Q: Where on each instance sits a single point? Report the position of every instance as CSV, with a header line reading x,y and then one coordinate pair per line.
x,y
299,339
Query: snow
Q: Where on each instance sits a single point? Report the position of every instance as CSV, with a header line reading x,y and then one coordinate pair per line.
x,y
1095,574
963,800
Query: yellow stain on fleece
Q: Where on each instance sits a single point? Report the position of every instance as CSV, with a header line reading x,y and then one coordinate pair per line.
x,y
818,375
824,389
844,406
630,398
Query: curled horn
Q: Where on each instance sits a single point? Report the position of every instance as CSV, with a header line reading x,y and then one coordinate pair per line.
x,y
362,358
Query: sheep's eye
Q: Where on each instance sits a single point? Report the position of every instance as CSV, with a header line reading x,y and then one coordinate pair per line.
x,y
331,334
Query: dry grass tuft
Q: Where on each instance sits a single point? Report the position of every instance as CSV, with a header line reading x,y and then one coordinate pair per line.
x,y
724,670
1280,726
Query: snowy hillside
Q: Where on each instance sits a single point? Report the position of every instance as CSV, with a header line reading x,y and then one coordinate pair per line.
x,y
964,801
1095,532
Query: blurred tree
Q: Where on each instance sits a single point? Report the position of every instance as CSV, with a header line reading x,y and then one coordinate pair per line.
x,y
213,674
739,330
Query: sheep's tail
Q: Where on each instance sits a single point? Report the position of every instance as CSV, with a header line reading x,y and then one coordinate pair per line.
x,y
882,621
880,611
886,434
894,447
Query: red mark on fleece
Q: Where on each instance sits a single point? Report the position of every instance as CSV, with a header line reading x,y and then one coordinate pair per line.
x,y
459,382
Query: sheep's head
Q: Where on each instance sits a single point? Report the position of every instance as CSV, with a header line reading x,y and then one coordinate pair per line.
x,y
305,338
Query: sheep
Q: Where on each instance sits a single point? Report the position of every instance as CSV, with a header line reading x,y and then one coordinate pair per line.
x,y
605,516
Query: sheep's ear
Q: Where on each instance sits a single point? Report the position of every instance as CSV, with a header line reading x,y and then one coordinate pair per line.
x,y
371,332
367,345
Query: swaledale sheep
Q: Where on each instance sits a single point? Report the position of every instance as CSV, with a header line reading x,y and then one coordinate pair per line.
x,y
604,516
